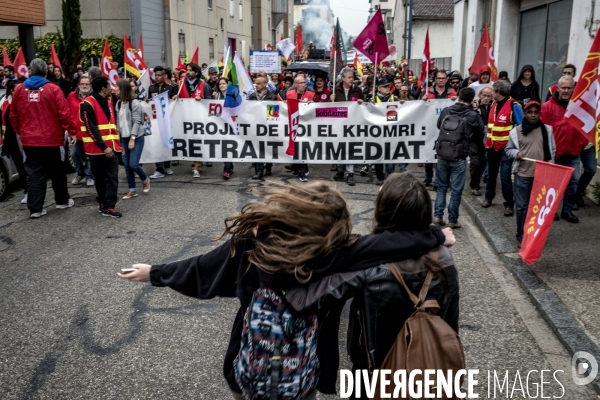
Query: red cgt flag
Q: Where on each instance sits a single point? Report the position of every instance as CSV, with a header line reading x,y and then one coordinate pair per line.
x,y
372,41
195,56
583,112
133,63
108,67
485,56
426,60
54,57
20,64
6,57
293,122
549,184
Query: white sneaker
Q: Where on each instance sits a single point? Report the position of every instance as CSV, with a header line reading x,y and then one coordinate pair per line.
x,y
196,174
90,182
38,214
156,175
77,180
69,204
24,201
169,171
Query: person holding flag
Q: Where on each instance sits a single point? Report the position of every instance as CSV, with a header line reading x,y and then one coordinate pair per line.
x,y
569,142
159,87
530,141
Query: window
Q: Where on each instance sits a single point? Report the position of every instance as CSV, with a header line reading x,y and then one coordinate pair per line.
x,y
269,23
211,48
222,24
210,4
182,44
241,10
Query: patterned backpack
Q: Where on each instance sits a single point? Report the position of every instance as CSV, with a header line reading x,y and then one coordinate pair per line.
x,y
278,355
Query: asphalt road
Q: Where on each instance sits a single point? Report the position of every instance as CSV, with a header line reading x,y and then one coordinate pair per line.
x,y
70,329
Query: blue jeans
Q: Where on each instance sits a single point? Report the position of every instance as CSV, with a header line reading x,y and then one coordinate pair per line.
x,y
569,198
131,159
590,166
449,174
499,161
81,161
389,168
522,192
228,167
429,172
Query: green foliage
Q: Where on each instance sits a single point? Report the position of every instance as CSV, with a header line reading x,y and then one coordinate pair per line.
x,y
90,48
69,48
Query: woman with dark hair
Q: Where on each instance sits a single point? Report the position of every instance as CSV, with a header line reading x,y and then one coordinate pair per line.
x,y
136,90
130,125
381,306
222,84
293,236
11,143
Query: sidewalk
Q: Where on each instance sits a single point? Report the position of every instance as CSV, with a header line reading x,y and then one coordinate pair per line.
x,y
565,282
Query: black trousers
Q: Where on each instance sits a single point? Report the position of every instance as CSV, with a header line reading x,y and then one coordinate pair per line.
x,y
259,168
42,163
106,179
477,163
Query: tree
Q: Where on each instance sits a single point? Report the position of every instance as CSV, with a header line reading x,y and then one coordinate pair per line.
x,y
69,42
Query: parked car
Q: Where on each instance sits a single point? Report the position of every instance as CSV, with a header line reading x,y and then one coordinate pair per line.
x,y
8,174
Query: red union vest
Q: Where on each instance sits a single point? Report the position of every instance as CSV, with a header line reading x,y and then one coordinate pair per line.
x,y
499,126
107,128
183,94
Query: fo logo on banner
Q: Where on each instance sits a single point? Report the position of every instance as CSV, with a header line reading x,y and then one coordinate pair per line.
x,y
272,112
215,109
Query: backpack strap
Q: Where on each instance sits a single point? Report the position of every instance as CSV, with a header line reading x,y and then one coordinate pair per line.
x,y
419,302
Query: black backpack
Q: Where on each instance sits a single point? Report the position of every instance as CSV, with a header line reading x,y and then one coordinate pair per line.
x,y
452,143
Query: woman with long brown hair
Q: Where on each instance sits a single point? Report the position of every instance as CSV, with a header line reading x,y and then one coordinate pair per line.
x,y
130,125
293,236
380,305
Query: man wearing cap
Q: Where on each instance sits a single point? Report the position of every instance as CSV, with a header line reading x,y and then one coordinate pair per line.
x,y
211,83
569,142
530,140
455,80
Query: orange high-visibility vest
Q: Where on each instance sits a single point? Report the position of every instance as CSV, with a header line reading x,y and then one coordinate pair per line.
x,y
106,126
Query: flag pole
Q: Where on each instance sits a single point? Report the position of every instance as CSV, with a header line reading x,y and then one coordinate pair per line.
x,y
334,72
375,76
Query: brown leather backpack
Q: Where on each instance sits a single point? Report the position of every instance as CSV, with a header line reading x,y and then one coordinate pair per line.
x,y
425,341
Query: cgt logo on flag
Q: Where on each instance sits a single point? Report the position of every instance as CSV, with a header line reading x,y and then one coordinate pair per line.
x,y
273,112
549,184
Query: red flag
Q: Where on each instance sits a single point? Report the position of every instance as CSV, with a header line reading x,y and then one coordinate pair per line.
x,y
293,122
583,112
372,41
133,64
299,43
54,57
485,56
108,67
141,49
549,184
20,64
195,56
6,57
426,60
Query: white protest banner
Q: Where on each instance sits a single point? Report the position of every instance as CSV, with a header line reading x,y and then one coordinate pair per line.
x,y
163,119
264,60
329,133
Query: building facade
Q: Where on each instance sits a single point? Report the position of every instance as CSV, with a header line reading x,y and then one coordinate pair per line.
x,y
438,16
544,33
174,28
388,11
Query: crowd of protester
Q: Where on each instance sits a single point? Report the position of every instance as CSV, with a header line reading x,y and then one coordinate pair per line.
x,y
106,126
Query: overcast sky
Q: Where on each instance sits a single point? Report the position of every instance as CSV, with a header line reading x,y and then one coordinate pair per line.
x,y
352,14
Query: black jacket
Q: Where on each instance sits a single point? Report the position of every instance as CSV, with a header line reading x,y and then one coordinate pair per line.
x,y
516,89
475,127
380,306
340,94
218,274
155,89
64,85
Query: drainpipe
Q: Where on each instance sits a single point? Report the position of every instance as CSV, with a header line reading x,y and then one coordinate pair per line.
x,y
592,35
493,20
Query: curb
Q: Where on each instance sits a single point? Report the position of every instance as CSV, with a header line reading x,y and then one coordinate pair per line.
x,y
564,324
